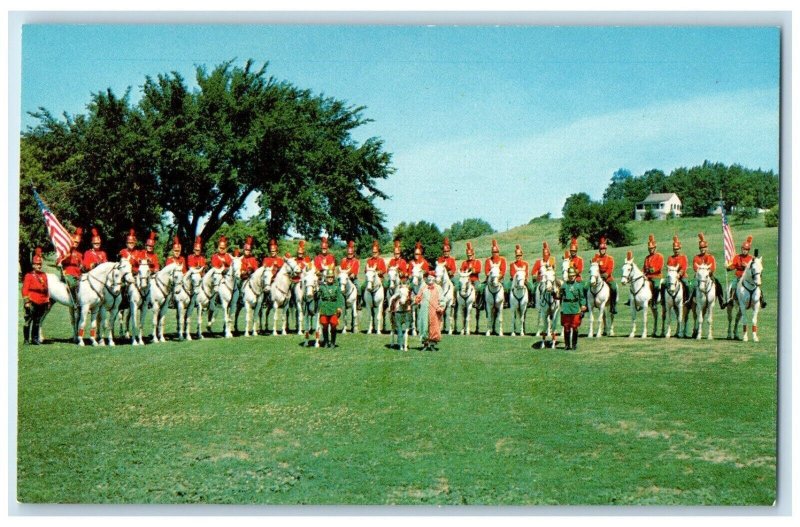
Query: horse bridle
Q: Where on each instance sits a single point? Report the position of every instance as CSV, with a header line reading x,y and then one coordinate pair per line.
x,y
634,280
756,287
105,285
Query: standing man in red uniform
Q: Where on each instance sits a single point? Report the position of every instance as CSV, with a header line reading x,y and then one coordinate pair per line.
x,y
35,298
739,264
547,260
575,261
72,264
176,256
149,255
324,260
704,257
94,256
606,264
273,261
196,260
653,267
397,260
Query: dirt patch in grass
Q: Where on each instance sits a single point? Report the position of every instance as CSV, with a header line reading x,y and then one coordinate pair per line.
x,y
403,493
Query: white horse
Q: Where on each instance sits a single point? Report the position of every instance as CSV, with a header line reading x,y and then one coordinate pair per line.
x,y
204,287
350,293
548,304
309,299
448,295
634,278
60,293
99,295
138,291
416,281
280,292
373,299
184,289
392,283
465,299
227,293
251,294
748,296
597,296
673,303
518,302
494,294
161,289
705,292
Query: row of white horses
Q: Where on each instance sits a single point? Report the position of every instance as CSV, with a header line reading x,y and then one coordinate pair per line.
x,y
113,291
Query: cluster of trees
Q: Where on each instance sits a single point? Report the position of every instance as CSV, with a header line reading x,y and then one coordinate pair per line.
x,y
699,187
428,234
468,229
190,159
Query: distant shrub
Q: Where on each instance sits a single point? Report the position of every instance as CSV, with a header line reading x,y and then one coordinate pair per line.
x,y
543,217
771,217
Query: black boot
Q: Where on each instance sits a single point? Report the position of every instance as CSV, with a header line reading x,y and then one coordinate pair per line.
x,y
568,339
333,337
324,342
574,339
763,302
613,302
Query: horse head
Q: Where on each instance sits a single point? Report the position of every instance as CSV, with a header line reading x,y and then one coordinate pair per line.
x,y
754,270
628,269
291,266
393,277
565,264
594,274
547,276
494,274
178,286
416,275
143,276
673,278
441,271
309,281
519,278
465,284
372,279
344,279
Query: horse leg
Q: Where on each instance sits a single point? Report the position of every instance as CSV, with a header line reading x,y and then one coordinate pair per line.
x,y
710,318
698,322
644,319
633,319
754,321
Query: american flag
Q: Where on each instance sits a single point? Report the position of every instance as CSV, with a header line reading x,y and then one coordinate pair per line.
x,y
58,234
727,238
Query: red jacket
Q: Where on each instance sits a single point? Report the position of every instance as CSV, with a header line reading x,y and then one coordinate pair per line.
x,y
221,261
740,263
351,265
449,264
180,260
92,258
488,266
655,262
537,266
681,261
273,262
577,264
378,263
72,263
707,259
606,264
196,261
152,260
302,264
518,265
421,261
249,264
474,268
34,288
322,261
401,264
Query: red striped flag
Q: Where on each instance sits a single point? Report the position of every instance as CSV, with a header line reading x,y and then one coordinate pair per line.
x,y
727,238
58,234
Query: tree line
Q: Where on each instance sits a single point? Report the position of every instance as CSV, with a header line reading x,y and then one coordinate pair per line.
x,y
186,160
699,188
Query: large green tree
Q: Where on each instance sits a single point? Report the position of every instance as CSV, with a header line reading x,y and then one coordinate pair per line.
x,y
193,157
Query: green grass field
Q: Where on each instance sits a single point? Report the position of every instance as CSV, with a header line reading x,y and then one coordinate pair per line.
x,y
486,420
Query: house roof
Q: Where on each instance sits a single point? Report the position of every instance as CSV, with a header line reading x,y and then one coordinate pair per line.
x,y
658,198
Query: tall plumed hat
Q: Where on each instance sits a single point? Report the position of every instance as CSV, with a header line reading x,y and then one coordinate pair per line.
x,y
151,240
603,243
131,236
573,246
223,241
747,243
651,241
418,246
396,245
301,247
495,248
629,255
96,236
37,255
176,243
78,235
518,250
676,243
702,240
248,243
324,242
198,243
446,244
375,245
545,249
470,250
351,247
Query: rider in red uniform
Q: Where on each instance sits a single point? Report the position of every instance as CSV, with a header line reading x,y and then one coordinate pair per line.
x,y
447,260
547,260
397,260
517,264
35,299
324,260
130,252
575,261
653,266
704,257
419,260
221,259
739,264
273,261
94,256
376,262
176,256
149,255
679,260
606,263
72,264
196,260
249,262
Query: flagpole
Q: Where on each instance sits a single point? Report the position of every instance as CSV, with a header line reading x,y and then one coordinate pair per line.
x,y
722,210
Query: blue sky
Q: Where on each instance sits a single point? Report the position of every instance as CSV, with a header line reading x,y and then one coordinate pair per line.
x,y
497,122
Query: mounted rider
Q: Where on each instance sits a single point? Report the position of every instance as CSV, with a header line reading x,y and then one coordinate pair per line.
x,y
221,259
606,264
35,299
682,263
419,260
176,257
196,260
447,260
495,258
474,267
249,262
149,254
273,262
547,260
303,262
94,256
351,264
739,264
324,260
72,264
397,261
376,262
575,261
517,264
130,252
653,267
704,257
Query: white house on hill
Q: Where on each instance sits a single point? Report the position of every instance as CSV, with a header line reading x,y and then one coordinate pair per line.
x,y
660,204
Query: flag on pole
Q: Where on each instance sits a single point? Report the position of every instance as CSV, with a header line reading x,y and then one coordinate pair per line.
x,y
58,234
727,238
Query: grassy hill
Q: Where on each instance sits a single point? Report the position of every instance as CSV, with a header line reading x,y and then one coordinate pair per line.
x,y
486,420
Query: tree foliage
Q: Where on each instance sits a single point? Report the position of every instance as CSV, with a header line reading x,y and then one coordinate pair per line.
x,y
468,229
593,220
772,217
428,234
195,156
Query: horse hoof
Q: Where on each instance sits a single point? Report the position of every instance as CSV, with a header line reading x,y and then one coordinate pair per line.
x,y
111,343
631,336
513,334
755,337
488,333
